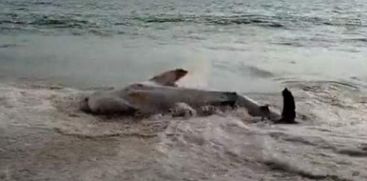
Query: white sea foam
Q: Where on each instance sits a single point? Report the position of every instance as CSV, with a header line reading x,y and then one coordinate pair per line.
x,y
41,126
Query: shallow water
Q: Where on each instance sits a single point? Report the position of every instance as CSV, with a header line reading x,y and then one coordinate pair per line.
x,y
50,50
43,136
256,44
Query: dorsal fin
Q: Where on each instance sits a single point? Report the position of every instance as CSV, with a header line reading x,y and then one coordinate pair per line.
x,y
169,78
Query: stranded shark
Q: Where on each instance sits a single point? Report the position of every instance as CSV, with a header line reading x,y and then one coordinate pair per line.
x,y
160,94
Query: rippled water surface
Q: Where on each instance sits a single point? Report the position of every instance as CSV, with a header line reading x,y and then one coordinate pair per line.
x,y
100,43
317,48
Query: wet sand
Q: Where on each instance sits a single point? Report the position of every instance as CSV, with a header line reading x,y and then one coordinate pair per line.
x,y
43,136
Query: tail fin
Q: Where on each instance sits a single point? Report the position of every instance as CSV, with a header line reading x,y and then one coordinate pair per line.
x,y
84,106
289,108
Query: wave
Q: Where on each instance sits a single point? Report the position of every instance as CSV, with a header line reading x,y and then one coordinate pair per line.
x,y
48,21
46,119
8,45
217,20
357,40
115,24
60,22
261,20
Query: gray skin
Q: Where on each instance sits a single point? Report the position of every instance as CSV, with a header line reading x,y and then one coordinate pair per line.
x,y
106,103
160,94
115,101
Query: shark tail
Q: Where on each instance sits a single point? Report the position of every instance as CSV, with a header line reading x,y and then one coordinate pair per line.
x,y
289,108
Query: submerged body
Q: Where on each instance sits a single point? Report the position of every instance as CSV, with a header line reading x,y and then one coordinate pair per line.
x,y
160,94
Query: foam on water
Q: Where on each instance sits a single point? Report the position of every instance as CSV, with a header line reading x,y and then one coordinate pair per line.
x,y
43,124
254,46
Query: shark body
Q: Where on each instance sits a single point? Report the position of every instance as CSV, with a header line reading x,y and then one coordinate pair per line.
x,y
160,94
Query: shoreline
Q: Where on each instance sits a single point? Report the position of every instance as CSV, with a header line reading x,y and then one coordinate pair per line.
x,y
49,133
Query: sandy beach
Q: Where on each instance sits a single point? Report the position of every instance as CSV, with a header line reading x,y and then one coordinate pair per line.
x,y
43,136
53,52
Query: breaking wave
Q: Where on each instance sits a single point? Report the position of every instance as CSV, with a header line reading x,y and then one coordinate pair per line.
x,y
227,146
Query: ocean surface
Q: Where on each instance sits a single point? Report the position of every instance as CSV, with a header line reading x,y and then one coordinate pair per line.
x,y
243,45
52,52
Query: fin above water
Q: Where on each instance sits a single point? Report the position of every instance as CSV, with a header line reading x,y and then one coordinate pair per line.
x,y
289,108
169,78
